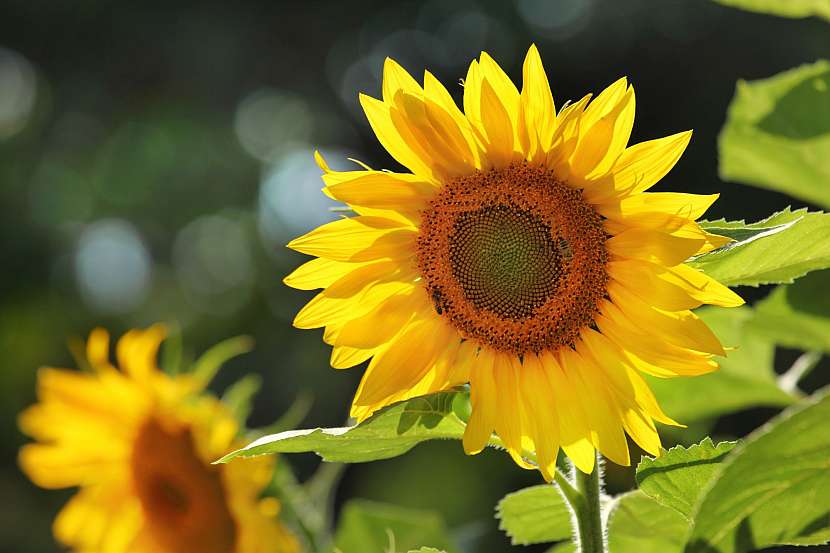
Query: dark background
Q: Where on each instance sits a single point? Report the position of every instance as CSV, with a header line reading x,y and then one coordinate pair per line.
x,y
155,158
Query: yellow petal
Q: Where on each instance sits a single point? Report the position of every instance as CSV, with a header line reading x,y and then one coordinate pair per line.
x,y
654,245
573,426
536,394
657,358
644,280
402,363
360,238
497,126
383,190
537,119
686,206
600,145
319,273
509,423
484,398
380,119
345,357
603,417
396,79
436,95
98,349
382,323
641,166
701,286
565,135
681,328
351,296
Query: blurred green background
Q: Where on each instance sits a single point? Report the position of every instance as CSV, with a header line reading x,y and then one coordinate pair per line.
x,y
154,160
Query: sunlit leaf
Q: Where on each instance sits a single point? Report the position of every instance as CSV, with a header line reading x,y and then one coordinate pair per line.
x,y
426,550
638,524
783,8
679,476
746,377
777,132
367,526
391,432
797,315
534,515
775,258
773,488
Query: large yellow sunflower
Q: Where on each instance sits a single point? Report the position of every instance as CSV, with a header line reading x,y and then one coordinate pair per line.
x,y
521,255
139,444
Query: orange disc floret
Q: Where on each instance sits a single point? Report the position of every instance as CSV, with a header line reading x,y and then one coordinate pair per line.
x,y
514,258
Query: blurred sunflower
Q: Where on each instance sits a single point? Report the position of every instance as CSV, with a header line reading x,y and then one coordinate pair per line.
x,y
521,255
139,444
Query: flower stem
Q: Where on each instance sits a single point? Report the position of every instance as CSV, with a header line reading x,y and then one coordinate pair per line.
x,y
591,535
583,497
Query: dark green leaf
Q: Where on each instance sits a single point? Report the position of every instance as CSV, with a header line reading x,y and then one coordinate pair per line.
x,y
369,527
390,432
777,132
678,477
534,515
799,245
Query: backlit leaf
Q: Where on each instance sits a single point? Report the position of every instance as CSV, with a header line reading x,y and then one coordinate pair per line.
x,y
679,476
796,315
783,8
367,526
774,258
777,132
534,515
773,488
390,432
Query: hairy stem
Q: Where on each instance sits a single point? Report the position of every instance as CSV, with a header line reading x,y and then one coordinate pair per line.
x,y
583,496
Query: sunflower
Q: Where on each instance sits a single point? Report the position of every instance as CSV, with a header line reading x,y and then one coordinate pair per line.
x,y
139,444
520,255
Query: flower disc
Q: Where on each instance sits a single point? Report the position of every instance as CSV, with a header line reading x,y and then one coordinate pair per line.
x,y
514,258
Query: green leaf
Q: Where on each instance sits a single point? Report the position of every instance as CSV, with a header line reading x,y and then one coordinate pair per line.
x,y
777,132
534,515
638,524
773,258
773,488
797,315
390,432
746,377
784,8
677,478
367,526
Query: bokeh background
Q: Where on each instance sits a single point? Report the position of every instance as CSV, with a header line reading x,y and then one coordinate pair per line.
x,y
155,158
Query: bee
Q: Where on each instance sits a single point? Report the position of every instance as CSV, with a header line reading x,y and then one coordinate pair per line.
x,y
438,301
565,249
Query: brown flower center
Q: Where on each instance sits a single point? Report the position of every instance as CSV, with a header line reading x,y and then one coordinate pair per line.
x,y
182,496
514,258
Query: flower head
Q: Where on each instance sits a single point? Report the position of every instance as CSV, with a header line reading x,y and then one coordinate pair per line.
x,y
521,255
139,445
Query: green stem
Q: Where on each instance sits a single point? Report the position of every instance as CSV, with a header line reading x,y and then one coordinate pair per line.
x,y
591,537
583,496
